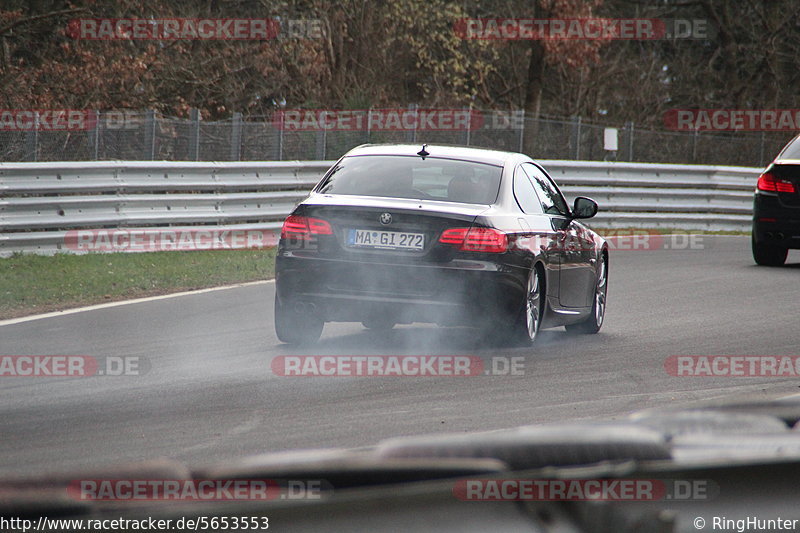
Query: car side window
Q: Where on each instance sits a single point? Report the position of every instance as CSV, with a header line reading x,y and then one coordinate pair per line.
x,y
792,150
552,201
525,194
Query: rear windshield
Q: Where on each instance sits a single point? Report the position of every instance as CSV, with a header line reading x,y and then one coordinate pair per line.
x,y
792,150
413,177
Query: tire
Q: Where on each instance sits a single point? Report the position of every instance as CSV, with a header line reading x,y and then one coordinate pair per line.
x,y
292,327
378,323
595,320
529,321
768,254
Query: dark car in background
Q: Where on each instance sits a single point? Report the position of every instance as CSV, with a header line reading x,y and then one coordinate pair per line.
x,y
439,234
776,208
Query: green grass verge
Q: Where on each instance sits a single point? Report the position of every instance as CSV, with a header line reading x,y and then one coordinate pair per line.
x,y
32,284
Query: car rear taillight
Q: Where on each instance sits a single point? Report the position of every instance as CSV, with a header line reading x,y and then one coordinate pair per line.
x,y
768,182
476,239
299,226
453,235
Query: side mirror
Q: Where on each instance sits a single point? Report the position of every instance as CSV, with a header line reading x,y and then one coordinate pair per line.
x,y
584,207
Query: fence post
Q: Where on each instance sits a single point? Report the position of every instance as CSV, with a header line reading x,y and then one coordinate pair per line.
x,y
280,138
520,119
694,146
576,133
236,137
319,138
149,143
629,126
94,135
194,141
32,140
411,136
761,152
468,134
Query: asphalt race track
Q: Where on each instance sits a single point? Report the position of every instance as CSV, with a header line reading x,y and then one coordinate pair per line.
x,y
209,394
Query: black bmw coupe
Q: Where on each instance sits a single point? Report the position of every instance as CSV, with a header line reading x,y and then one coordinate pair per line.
x,y
396,234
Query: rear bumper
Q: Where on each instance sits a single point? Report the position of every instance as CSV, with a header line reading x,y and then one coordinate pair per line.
x,y
460,293
784,230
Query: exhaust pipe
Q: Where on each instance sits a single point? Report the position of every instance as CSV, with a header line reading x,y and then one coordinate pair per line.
x,y
768,235
779,236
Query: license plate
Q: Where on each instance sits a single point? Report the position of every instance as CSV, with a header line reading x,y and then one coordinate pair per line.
x,y
386,240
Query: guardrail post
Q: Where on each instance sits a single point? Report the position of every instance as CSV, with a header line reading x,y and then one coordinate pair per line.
x,y
761,152
521,120
236,137
149,135
194,142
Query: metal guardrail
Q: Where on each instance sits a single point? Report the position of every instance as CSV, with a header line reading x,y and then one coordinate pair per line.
x,y
641,195
41,202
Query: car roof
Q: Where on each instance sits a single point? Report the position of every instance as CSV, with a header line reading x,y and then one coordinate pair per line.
x,y
478,155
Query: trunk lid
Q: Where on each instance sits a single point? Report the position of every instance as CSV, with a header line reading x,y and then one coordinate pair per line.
x,y
374,229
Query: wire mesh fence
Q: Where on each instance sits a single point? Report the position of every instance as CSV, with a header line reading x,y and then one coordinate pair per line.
x,y
147,135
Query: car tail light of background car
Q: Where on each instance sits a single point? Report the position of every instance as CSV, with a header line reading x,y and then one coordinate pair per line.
x,y
768,182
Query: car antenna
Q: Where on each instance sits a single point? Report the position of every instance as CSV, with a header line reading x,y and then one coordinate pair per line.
x,y
423,153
